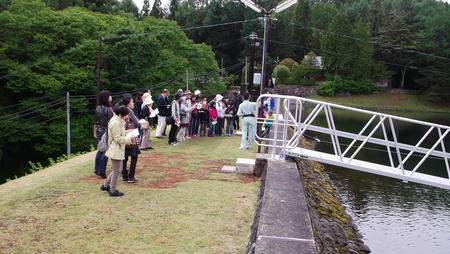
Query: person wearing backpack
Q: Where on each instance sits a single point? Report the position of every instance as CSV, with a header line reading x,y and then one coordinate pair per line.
x,y
103,113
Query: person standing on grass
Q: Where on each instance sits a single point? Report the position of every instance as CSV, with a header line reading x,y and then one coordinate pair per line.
x,y
145,123
175,120
237,100
164,112
212,119
204,117
230,112
246,111
131,150
220,115
117,140
103,113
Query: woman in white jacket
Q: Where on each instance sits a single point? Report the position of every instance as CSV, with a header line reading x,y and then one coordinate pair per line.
x,y
185,113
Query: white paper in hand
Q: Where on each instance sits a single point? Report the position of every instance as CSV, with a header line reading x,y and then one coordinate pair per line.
x,y
133,133
154,113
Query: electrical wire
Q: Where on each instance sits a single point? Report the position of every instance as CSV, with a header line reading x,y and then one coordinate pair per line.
x,y
357,57
366,41
231,42
120,37
32,100
31,126
31,110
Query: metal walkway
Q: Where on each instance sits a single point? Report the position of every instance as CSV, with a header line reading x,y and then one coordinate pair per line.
x,y
424,160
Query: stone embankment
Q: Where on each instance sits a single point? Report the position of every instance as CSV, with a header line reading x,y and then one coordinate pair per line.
x,y
334,230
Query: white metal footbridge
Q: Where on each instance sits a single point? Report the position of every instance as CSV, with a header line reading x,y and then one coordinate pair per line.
x,y
424,160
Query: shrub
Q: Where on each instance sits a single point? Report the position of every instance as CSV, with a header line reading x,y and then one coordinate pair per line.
x,y
288,62
327,88
339,85
281,73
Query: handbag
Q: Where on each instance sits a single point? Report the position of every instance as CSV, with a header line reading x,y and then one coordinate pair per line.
x,y
103,144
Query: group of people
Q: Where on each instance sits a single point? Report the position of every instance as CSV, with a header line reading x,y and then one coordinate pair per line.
x,y
191,115
123,130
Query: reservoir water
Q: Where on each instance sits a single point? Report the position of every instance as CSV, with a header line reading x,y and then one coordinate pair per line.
x,y
394,217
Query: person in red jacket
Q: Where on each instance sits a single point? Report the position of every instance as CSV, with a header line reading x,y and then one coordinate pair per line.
x,y
212,118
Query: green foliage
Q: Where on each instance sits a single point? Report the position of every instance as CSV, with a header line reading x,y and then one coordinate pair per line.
x,y
308,67
339,85
282,73
31,32
288,62
327,88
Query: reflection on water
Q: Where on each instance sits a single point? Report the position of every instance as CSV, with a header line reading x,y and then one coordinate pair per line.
x,y
394,217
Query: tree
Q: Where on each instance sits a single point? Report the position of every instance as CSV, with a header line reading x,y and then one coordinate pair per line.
x,y
302,36
336,50
157,10
145,9
361,65
128,6
173,9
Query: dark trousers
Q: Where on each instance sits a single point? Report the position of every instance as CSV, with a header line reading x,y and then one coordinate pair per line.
x,y
193,125
266,131
236,123
126,174
203,126
219,126
100,163
230,123
173,133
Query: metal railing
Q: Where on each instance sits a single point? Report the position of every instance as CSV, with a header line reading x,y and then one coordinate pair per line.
x,y
301,114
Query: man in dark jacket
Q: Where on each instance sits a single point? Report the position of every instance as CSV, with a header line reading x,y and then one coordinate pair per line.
x,y
164,112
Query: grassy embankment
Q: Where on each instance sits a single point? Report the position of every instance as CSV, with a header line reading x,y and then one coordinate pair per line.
x,y
390,102
182,204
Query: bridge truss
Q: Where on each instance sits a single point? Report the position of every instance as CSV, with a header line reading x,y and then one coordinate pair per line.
x,y
423,160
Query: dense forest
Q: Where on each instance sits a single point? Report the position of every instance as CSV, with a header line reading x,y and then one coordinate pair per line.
x,y
48,47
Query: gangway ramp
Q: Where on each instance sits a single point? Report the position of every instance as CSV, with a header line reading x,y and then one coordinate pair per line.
x,y
424,160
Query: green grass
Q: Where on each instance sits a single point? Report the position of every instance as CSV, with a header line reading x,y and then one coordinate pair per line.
x,y
400,102
62,210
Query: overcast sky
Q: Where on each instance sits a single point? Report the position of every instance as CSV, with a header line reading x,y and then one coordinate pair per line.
x,y
166,2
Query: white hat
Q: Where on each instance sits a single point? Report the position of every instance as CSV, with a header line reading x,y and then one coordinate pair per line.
x,y
143,121
145,95
219,97
148,100
197,92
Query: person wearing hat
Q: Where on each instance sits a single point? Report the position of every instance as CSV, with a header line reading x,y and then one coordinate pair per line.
x,y
175,121
247,112
220,115
145,122
163,112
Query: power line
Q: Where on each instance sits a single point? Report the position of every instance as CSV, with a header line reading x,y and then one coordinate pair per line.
x,y
31,126
31,110
357,57
181,29
31,100
231,42
119,37
366,41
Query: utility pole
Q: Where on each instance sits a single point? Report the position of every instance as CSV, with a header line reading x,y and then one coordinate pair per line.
x,y
267,16
264,58
244,86
99,64
251,68
68,123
